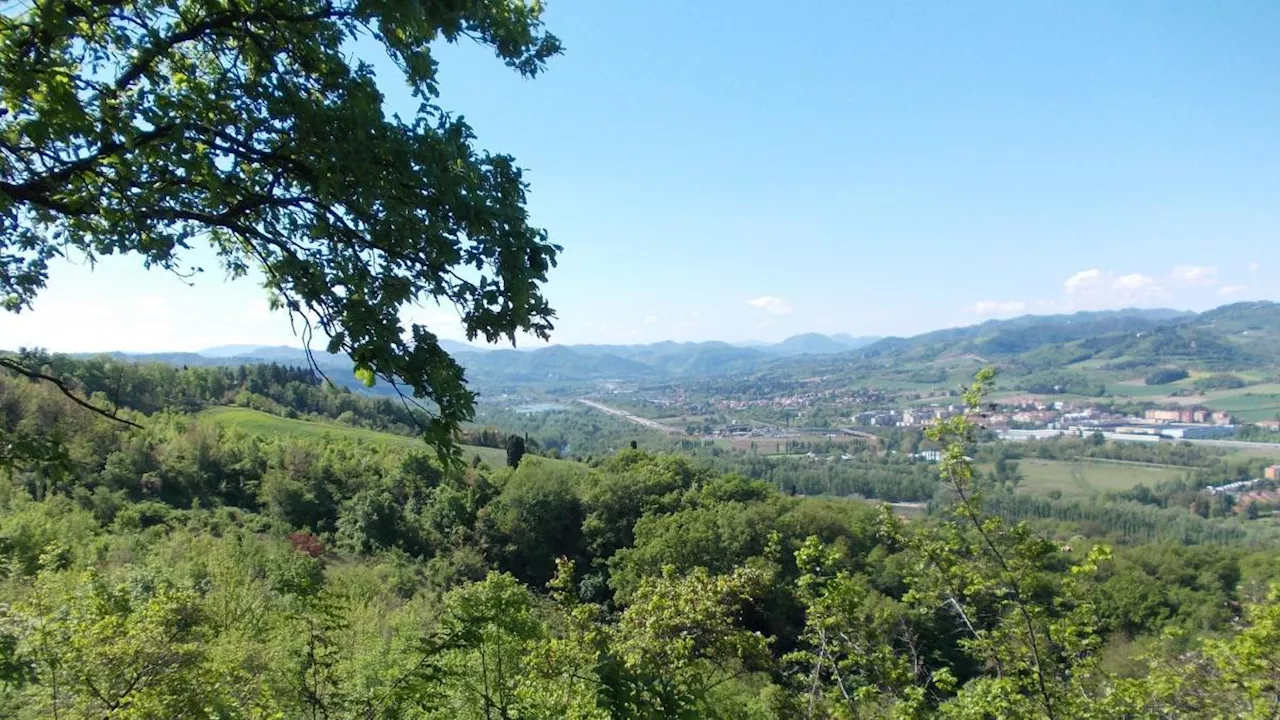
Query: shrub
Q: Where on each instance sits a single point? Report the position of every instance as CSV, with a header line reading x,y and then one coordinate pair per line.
x,y
1164,376
1220,381
305,542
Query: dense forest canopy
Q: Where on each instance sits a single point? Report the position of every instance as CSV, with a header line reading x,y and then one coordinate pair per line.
x,y
195,569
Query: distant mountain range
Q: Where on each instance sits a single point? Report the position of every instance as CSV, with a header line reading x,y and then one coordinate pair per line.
x,y
1240,334
1082,353
667,355
556,363
1025,333
1232,337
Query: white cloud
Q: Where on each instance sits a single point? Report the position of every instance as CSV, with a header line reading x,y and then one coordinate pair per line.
x,y
1254,266
1195,274
1095,281
649,320
1096,289
1134,281
997,307
772,305
1083,281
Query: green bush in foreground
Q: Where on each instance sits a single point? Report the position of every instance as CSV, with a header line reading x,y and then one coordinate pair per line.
x,y
183,572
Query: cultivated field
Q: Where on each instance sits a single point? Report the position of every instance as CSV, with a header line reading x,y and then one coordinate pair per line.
x,y
1261,451
1213,396
1089,477
778,445
1249,404
1249,407
1139,389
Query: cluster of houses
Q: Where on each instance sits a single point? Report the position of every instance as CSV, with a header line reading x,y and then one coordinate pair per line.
x,y
1187,416
1021,423
877,418
1261,499
1261,493
1235,487
1026,412
1032,414
922,416
802,401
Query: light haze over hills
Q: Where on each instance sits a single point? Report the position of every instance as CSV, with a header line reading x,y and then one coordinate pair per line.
x,y
1240,336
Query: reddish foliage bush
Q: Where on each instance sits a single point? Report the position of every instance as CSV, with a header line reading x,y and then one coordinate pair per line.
x,y
307,543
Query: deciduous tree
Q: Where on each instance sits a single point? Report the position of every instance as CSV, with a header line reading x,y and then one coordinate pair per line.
x,y
150,127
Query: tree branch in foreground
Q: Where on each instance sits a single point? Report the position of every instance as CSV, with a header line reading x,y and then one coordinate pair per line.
x,y
65,390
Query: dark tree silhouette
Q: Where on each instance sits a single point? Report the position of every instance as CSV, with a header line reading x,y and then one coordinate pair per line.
x,y
515,450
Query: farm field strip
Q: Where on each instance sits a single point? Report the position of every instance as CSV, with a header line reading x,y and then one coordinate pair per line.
x,y
1084,477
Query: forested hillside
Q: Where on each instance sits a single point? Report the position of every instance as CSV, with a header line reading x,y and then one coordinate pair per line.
x,y
190,568
1082,353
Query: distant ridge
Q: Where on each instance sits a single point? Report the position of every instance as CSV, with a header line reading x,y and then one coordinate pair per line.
x,y
230,351
1240,336
855,342
568,363
222,351
1027,331
817,344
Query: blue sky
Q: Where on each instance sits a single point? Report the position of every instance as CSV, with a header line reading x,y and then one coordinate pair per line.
x,y
749,170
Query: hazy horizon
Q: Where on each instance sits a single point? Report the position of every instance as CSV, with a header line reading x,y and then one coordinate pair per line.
x,y
533,344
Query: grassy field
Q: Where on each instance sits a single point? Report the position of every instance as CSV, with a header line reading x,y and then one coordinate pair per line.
x,y
1249,407
1086,477
1254,452
1249,404
1219,395
1139,389
260,423
778,445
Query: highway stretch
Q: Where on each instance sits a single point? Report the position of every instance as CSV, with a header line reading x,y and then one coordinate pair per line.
x,y
633,418
1119,437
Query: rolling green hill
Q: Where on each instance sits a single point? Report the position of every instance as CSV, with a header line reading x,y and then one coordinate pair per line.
x,y
1085,353
260,423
